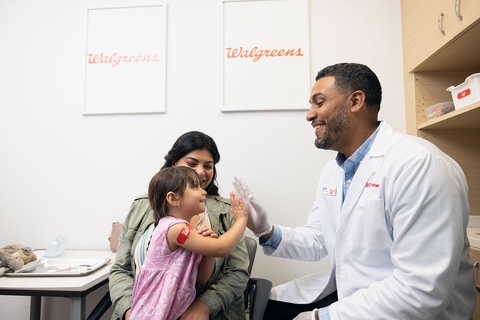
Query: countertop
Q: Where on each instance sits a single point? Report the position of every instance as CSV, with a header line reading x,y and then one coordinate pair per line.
x,y
473,231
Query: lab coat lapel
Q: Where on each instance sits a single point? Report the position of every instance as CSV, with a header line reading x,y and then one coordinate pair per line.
x,y
363,174
365,171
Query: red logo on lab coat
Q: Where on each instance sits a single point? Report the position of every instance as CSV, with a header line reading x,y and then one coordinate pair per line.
x,y
372,185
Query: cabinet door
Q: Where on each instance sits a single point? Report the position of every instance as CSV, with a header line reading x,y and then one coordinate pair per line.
x,y
475,255
420,31
469,11
424,21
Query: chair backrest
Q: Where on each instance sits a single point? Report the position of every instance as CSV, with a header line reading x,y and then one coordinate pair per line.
x,y
257,292
252,249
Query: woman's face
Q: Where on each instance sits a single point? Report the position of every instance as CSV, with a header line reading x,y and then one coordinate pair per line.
x,y
201,161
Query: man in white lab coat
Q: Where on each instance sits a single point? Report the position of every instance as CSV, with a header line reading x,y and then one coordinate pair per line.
x,y
391,213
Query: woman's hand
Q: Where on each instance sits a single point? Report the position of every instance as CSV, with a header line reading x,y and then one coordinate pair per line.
x,y
207,232
197,311
258,220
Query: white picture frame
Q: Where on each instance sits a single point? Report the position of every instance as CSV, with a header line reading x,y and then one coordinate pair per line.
x,y
266,64
125,59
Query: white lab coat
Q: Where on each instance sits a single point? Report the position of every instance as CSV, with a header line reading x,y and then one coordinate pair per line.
x,y
398,246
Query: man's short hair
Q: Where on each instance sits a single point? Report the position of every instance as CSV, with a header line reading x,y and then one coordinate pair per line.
x,y
350,77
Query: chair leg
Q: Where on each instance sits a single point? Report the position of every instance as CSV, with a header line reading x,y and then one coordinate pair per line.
x,y
101,307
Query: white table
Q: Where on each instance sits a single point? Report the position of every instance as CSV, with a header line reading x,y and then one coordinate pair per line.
x,y
75,288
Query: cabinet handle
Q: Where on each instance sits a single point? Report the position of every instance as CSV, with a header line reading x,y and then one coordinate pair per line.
x,y
456,10
476,267
440,21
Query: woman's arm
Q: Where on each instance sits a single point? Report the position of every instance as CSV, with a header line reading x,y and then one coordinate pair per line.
x,y
205,269
122,277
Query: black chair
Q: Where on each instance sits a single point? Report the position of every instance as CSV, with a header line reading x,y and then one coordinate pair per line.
x,y
256,293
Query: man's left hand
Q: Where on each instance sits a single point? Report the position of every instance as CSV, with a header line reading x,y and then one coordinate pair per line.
x,y
308,315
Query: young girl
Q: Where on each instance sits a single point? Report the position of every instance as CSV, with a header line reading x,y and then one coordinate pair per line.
x,y
165,284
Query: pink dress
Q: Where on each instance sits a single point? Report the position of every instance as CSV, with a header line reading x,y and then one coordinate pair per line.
x,y
165,285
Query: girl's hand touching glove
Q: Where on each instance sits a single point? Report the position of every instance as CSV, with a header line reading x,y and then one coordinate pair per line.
x,y
238,207
258,220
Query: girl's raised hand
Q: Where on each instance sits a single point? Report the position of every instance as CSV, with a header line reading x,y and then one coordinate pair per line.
x,y
239,211
207,232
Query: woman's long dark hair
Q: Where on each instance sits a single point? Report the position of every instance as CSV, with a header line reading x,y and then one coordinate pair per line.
x,y
188,142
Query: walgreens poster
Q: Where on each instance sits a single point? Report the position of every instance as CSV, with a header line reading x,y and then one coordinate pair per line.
x,y
125,60
265,55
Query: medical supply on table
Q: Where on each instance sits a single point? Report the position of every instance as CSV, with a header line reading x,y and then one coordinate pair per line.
x,y
466,93
55,267
56,248
439,109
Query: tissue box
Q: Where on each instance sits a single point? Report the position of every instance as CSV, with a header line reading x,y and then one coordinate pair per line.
x,y
439,109
466,93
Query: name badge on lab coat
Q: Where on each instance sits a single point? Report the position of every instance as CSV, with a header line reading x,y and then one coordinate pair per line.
x,y
329,191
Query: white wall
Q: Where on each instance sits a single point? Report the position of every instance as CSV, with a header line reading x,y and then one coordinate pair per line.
x,y
66,174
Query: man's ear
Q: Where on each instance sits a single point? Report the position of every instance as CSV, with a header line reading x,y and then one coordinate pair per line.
x,y
357,101
172,199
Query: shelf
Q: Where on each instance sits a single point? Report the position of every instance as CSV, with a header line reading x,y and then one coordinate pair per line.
x,y
465,118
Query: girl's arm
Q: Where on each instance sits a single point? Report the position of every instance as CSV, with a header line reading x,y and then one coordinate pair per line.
x,y
213,247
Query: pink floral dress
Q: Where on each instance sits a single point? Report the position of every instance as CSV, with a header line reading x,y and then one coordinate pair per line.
x,y
165,285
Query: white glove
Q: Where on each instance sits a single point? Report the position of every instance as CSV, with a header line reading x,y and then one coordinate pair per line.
x,y
257,216
308,315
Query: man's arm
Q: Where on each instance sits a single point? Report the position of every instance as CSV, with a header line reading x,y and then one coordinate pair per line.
x,y
267,236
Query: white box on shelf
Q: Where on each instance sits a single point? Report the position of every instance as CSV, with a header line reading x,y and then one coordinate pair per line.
x,y
466,93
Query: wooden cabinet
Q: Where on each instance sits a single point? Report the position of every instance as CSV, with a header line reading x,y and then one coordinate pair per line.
x,y
475,255
431,24
418,15
433,62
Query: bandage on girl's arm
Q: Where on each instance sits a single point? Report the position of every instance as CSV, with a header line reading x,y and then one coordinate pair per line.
x,y
184,233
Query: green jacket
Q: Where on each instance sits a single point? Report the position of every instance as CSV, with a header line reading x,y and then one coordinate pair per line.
x,y
223,292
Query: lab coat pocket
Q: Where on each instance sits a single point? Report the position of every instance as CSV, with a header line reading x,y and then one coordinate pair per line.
x,y
369,229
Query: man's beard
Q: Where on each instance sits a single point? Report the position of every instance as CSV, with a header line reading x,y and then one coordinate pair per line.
x,y
333,129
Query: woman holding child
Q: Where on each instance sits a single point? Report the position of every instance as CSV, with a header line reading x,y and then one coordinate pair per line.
x,y
221,296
